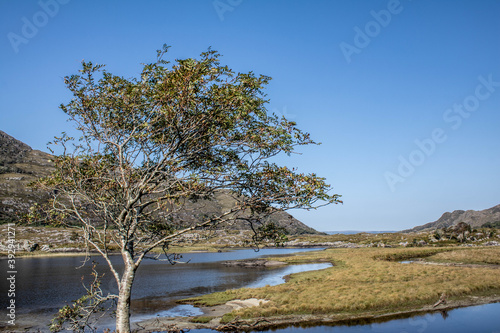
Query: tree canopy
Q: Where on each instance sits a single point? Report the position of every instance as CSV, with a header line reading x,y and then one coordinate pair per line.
x,y
178,133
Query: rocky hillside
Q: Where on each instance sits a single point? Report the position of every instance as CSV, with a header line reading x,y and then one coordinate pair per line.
x,y
195,212
472,217
20,165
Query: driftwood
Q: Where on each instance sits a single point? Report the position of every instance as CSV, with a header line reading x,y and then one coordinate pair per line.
x,y
238,325
442,300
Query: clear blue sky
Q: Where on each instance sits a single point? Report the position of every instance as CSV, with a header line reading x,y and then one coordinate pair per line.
x,y
366,78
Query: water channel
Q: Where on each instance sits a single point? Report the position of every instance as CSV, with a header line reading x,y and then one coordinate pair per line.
x,y
474,319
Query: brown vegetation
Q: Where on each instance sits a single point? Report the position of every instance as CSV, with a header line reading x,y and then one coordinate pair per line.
x,y
360,282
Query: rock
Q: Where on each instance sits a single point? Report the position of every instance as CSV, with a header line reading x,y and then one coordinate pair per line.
x,y
66,249
337,244
253,263
240,304
473,218
25,246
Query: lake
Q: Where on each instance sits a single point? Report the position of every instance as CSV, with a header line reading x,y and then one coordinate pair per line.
x,y
45,284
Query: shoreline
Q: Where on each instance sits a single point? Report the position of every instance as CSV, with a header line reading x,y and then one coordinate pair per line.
x,y
213,315
83,252
281,322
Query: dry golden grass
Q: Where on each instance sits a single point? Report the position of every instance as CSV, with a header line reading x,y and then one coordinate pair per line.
x,y
362,283
490,255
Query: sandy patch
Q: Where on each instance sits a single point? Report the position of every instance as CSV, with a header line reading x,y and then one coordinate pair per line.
x,y
247,303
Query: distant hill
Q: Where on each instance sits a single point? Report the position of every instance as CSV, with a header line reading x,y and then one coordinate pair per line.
x,y
353,232
20,165
474,218
224,202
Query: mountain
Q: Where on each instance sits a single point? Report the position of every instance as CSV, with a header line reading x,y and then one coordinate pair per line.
x,y
20,165
474,218
224,201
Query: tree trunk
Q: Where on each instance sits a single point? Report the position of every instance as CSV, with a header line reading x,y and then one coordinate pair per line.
x,y
123,306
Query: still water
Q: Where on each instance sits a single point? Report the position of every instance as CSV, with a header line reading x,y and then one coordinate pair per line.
x,y
474,319
45,284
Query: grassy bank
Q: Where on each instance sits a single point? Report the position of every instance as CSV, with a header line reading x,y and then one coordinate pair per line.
x,y
368,280
481,256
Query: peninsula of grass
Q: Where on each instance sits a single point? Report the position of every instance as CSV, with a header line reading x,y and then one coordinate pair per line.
x,y
369,282
478,256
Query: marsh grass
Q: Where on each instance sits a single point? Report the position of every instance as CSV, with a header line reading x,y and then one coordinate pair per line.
x,y
489,256
202,319
213,299
364,282
412,253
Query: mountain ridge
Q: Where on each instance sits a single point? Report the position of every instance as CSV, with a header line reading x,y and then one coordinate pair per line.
x,y
475,218
21,165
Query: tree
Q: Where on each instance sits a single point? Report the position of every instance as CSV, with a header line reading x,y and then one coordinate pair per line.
x,y
178,133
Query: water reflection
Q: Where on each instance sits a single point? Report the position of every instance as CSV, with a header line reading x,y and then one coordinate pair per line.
x,y
181,310
45,284
278,275
482,318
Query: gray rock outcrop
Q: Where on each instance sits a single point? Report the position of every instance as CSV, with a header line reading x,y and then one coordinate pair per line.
x,y
473,218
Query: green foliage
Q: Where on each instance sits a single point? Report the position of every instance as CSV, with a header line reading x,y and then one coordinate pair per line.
x,y
77,316
491,225
270,232
8,219
213,299
227,318
202,319
44,215
74,236
176,133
